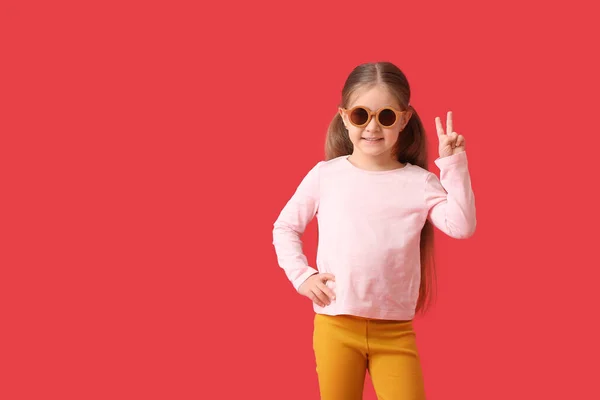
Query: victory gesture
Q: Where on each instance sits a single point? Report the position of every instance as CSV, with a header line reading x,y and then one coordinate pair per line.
x,y
450,142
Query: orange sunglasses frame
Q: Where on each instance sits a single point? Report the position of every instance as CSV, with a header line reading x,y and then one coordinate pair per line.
x,y
372,114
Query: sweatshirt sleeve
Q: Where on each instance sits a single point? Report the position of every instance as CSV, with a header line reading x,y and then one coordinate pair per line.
x,y
450,199
290,225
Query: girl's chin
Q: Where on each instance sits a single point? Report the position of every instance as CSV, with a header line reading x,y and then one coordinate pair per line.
x,y
374,150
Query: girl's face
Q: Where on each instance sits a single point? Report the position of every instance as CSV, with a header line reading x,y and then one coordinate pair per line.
x,y
373,140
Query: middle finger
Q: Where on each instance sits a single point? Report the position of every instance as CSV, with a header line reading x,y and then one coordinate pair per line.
x,y
321,296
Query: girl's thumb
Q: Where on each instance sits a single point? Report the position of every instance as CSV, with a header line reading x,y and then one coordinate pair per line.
x,y
328,276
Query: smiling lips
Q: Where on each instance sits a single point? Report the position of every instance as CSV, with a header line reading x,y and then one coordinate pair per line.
x,y
372,139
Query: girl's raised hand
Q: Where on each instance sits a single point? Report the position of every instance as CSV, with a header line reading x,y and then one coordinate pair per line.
x,y
450,142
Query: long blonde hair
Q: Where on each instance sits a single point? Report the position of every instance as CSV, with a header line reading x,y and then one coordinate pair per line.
x,y
411,147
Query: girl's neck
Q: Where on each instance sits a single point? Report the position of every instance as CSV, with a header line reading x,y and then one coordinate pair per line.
x,y
378,163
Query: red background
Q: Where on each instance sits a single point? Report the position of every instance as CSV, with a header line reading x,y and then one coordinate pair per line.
x,y
147,148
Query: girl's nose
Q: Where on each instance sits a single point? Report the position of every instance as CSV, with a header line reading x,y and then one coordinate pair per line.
x,y
372,125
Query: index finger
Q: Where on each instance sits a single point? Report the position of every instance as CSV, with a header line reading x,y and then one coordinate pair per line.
x,y
326,290
438,125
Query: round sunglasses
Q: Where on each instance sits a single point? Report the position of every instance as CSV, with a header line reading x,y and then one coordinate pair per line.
x,y
386,117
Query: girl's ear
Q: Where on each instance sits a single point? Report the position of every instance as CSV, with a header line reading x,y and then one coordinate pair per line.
x,y
343,115
406,119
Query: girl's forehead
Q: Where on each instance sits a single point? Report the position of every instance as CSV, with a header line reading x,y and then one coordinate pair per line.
x,y
373,97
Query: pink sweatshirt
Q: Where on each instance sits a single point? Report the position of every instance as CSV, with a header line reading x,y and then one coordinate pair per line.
x,y
369,225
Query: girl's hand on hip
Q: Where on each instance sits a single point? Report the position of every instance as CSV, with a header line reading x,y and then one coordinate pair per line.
x,y
315,288
450,142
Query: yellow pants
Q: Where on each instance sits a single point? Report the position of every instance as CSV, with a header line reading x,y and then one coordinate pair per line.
x,y
346,347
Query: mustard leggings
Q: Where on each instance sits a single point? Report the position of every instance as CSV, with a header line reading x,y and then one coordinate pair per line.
x,y
346,347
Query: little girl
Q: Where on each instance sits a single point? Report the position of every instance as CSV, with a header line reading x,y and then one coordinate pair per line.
x,y
376,204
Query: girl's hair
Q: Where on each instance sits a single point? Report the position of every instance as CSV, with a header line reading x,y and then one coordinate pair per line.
x,y
411,147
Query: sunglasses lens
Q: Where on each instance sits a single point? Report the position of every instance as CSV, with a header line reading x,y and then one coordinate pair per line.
x,y
387,117
359,116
